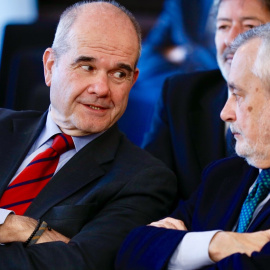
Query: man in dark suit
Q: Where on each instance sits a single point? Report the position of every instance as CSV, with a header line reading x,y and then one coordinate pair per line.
x,y
186,132
104,185
225,224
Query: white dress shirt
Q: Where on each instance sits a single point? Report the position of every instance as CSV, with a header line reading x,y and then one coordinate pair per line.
x,y
192,251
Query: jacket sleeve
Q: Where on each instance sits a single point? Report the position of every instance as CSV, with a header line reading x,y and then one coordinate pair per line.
x,y
147,196
258,260
150,247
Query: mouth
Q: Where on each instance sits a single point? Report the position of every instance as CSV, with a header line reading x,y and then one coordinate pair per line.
x,y
95,107
235,133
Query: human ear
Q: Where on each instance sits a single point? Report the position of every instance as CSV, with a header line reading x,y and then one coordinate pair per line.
x,y
135,76
48,63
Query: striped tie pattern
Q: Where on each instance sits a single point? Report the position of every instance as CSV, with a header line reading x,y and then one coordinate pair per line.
x,y
259,192
27,185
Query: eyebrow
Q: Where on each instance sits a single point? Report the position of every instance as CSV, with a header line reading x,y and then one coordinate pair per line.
x,y
82,59
87,59
233,86
242,19
125,66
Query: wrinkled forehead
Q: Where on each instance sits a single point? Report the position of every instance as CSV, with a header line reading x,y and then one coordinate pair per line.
x,y
251,7
244,59
105,24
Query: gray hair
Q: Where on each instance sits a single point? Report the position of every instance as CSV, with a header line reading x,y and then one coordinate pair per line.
x,y
61,43
261,67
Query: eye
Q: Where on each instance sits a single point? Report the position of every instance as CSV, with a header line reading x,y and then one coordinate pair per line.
x,y
87,67
237,97
249,26
119,75
222,27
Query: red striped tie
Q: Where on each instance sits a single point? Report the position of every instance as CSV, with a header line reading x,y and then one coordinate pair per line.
x,y
27,185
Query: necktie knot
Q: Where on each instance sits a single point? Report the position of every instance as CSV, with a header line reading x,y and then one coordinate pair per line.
x,y
264,179
62,143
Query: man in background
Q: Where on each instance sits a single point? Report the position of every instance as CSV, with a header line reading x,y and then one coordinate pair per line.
x,y
187,132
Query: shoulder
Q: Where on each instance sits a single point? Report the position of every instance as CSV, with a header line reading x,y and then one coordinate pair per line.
x,y
190,84
227,167
127,157
204,75
6,114
188,92
140,157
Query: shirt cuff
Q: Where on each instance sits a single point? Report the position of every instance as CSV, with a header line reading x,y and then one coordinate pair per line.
x,y
3,215
192,251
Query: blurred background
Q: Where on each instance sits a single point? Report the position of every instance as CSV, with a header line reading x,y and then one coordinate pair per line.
x,y
177,37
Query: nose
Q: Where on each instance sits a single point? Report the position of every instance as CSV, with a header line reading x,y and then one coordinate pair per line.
x,y
228,113
232,34
99,85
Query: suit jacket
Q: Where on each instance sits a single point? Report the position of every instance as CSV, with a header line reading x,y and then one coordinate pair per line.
x,y
187,132
109,187
215,205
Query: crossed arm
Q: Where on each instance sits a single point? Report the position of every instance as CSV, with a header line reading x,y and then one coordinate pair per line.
x,y
224,244
19,228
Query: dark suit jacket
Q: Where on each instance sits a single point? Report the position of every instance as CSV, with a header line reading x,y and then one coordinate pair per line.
x,y
187,132
109,187
216,205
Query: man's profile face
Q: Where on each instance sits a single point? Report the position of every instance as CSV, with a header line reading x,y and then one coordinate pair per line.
x,y
233,18
90,83
248,107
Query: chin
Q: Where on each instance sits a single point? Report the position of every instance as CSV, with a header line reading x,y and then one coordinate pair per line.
x,y
254,158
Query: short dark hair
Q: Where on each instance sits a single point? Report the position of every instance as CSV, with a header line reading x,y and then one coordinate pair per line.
x,y
217,3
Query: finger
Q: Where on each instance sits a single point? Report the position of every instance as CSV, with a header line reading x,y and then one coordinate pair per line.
x,y
170,223
163,224
267,233
176,223
155,224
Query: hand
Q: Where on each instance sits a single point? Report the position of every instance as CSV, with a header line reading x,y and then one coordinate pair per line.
x,y
19,228
224,244
170,223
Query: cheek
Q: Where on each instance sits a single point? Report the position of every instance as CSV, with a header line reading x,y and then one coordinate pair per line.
x,y
219,41
249,119
119,96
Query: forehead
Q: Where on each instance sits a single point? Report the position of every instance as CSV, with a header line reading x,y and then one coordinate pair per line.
x,y
241,71
104,29
237,9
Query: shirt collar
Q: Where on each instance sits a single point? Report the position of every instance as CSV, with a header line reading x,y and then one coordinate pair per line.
x,y
52,129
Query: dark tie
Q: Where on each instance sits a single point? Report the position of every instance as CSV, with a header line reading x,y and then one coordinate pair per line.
x,y
258,194
27,185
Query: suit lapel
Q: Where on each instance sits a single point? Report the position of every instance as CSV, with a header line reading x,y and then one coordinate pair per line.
x,y
82,169
206,126
231,216
224,193
19,139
